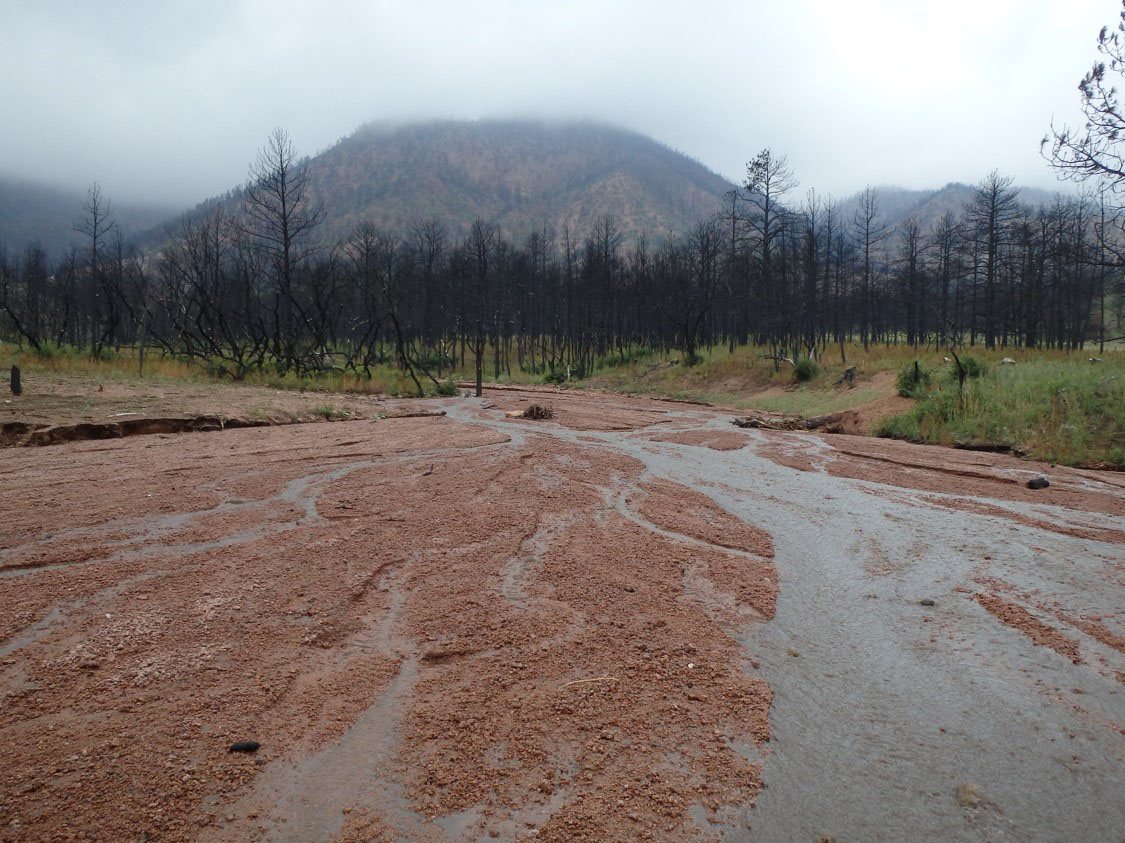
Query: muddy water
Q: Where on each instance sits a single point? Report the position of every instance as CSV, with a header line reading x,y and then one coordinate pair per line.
x,y
892,720
314,791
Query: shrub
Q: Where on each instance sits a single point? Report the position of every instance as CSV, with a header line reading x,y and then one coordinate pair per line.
x,y
330,413
624,357
805,370
692,359
447,388
912,381
973,368
555,377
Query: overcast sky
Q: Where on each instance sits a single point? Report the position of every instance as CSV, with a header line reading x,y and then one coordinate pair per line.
x,y
169,101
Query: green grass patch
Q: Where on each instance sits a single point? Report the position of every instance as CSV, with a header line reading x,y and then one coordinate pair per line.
x,y
1071,412
811,401
331,412
1053,405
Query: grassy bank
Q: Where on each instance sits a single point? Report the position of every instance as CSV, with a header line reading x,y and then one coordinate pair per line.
x,y
1052,405
125,365
1064,411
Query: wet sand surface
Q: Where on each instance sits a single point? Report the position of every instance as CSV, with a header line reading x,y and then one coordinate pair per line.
x,y
634,621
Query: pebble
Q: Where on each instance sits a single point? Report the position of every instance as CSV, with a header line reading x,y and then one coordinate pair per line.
x,y
244,746
1039,482
926,601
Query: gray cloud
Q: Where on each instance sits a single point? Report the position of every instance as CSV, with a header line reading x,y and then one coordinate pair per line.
x,y
169,101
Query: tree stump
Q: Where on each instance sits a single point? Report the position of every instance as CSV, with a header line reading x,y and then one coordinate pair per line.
x,y
848,377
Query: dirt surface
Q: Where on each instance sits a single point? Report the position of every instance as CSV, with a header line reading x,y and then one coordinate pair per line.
x,y
975,474
631,621
714,439
583,410
866,417
52,400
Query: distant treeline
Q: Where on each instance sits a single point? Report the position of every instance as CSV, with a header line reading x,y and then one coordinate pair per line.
x,y
257,290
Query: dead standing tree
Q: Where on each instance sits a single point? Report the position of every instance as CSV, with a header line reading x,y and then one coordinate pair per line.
x,y
482,240
869,231
281,218
990,216
96,224
768,180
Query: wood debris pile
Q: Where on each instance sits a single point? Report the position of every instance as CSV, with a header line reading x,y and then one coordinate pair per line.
x,y
831,423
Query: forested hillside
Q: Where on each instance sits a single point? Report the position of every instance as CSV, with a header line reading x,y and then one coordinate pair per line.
x,y
312,266
897,204
521,176
32,213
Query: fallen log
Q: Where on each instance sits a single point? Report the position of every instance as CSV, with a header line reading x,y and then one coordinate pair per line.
x,y
831,423
419,414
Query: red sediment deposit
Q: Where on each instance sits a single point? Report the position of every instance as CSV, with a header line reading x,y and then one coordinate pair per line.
x,y
716,440
419,617
434,629
981,508
944,470
1092,625
789,451
1019,618
748,574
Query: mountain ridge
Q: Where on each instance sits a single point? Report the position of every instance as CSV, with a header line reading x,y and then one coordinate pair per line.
x,y
519,175
896,204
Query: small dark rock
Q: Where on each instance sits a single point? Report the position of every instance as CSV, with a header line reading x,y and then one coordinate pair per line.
x,y
245,746
1039,482
926,601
